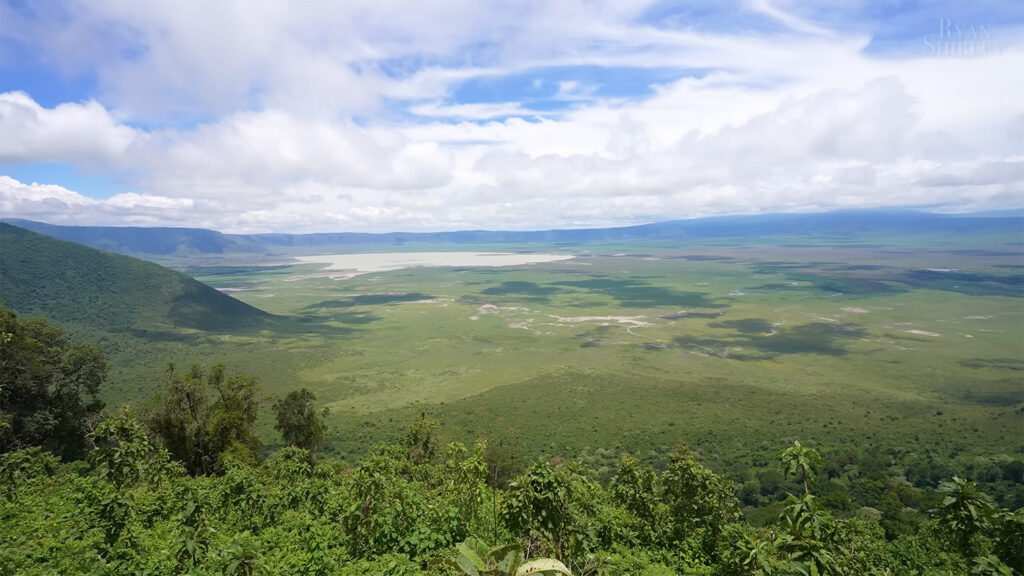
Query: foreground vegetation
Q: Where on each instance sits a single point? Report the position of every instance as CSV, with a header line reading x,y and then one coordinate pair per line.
x,y
130,509
180,488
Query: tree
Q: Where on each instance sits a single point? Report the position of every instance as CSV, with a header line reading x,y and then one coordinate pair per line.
x,y
800,461
202,414
1009,538
556,507
635,487
421,439
700,503
49,387
122,450
297,422
964,515
807,528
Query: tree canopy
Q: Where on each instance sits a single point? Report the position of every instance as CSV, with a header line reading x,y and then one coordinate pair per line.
x,y
297,421
202,415
49,387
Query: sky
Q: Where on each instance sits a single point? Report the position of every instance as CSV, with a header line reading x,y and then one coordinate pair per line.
x,y
378,115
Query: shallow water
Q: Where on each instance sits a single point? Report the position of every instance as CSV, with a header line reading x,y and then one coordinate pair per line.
x,y
383,261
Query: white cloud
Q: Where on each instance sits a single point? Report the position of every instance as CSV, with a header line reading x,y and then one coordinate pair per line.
x,y
790,20
58,205
476,112
84,133
345,116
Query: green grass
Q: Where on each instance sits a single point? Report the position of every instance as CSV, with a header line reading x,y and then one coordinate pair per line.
x,y
733,346
729,348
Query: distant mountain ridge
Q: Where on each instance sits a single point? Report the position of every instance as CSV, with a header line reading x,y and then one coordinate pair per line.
x,y
185,242
160,241
74,284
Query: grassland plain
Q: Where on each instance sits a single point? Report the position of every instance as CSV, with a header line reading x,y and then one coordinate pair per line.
x,y
734,347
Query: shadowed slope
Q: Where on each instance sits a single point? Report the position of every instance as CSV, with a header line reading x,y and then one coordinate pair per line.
x,y
71,283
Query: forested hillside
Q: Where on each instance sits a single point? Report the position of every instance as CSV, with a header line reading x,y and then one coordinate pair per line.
x,y
136,240
73,284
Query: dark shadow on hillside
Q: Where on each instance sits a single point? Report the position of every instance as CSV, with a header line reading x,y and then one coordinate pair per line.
x,y
203,308
687,314
160,336
221,270
307,325
871,280
855,286
815,338
745,325
905,337
220,285
997,393
971,284
635,294
370,300
997,363
353,317
520,288
860,287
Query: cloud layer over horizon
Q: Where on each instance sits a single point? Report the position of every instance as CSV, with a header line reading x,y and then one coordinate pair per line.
x,y
382,116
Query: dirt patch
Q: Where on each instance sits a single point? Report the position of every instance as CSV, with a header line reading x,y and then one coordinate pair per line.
x,y
631,320
923,333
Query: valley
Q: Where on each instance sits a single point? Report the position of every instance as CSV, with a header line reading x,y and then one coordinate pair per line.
x,y
909,342
897,356
728,348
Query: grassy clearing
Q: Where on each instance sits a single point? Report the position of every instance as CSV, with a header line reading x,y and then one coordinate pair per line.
x,y
730,347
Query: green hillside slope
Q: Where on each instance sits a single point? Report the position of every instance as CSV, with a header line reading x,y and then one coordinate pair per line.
x,y
75,284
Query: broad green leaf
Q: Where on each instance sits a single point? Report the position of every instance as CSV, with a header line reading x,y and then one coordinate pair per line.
x,y
545,566
469,558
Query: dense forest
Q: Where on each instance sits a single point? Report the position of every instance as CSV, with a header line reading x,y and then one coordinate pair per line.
x,y
182,485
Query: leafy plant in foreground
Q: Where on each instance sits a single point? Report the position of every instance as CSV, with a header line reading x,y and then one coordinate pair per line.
x,y
964,515
798,460
475,558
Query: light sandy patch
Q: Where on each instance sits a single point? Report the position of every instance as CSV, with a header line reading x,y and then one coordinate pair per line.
x,y
343,276
854,310
632,320
923,333
355,264
525,325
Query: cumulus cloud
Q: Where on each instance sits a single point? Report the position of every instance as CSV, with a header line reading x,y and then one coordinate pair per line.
x,y
382,116
56,204
69,132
